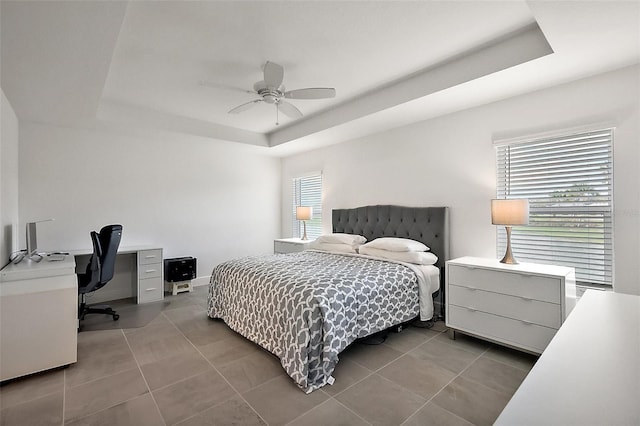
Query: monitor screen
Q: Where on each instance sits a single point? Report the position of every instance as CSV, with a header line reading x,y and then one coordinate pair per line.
x,y
32,240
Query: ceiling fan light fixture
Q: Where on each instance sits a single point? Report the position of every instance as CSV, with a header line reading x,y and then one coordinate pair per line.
x,y
270,98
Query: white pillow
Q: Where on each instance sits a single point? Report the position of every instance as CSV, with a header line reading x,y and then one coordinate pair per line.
x,y
417,257
397,244
351,239
342,248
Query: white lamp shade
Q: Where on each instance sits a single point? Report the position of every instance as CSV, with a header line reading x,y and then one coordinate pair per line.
x,y
510,212
304,213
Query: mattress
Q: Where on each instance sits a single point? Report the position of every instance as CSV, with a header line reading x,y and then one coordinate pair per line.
x,y
307,307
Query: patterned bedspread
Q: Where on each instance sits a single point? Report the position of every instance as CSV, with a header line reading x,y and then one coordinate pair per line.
x,y
307,307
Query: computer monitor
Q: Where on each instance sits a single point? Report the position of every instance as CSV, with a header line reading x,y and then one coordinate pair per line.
x,y
32,239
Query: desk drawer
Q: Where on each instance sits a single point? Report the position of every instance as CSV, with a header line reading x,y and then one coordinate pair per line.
x,y
528,286
533,311
532,337
150,290
146,257
150,271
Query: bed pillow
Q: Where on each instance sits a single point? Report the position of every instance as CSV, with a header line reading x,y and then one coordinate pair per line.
x,y
351,239
342,248
397,244
417,257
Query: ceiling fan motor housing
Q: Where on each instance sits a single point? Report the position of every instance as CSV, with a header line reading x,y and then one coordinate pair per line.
x,y
270,96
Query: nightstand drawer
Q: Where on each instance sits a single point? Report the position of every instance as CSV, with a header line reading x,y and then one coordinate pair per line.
x,y
290,245
519,308
515,332
513,283
280,247
150,290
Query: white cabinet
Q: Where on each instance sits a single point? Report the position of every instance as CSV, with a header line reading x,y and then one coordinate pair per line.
x,y
38,316
290,245
517,305
589,374
150,279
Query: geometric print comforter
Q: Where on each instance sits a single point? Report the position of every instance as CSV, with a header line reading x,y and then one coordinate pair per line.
x,y
307,307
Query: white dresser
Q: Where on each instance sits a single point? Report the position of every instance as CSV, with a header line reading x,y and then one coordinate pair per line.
x,y
290,245
521,306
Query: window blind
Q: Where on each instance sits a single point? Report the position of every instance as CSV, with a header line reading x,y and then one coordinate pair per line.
x,y
569,183
307,191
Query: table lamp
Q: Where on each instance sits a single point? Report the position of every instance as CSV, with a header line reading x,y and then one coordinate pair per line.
x,y
304,213
509,213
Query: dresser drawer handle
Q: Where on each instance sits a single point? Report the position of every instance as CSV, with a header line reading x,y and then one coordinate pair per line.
x,y
148,271
526,322
526,299
472,309
150,256
150,289
472,288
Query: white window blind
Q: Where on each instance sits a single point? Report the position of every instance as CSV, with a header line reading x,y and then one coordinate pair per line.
x,y
569,183
307,191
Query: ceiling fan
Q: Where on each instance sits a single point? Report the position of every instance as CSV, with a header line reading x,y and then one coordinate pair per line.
x,y
272,91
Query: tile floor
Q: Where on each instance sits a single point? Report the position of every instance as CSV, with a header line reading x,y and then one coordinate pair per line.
x,y
185,369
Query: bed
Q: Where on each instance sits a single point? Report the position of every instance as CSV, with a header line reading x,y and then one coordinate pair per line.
x,y
307,307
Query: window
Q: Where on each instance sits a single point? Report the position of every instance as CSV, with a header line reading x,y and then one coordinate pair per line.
x,y
307,191
568,181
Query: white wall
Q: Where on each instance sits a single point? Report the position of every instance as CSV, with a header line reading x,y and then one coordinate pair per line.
x,y
450,161
8,180
191,196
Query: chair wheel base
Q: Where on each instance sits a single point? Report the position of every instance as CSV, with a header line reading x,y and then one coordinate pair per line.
x,y
83,310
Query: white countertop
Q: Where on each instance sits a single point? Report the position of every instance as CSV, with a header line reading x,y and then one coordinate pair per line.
x,y
121,250
28,269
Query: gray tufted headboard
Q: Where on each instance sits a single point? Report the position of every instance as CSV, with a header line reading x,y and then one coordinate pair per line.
x,y
429,225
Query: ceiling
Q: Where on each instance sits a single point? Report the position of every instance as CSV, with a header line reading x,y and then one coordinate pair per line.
x,y
181,66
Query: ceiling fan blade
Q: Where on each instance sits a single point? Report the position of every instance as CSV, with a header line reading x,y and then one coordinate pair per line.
x,y
289,110
213,85
311,93
244,107
273,74
259,85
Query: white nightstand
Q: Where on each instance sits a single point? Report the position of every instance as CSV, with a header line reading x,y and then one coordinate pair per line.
x,y
290,245
521,306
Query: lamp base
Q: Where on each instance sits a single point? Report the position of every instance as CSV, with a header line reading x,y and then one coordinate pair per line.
x,y
509,259
508,255
304,236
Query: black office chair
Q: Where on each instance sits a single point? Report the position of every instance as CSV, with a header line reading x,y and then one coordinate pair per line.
x,y
100,269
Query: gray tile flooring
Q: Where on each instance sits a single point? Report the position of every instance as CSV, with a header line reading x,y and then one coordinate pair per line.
x,y
182,368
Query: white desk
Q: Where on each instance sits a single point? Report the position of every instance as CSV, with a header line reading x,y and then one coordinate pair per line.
x,y
590,372
38,316
39,307
143,279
